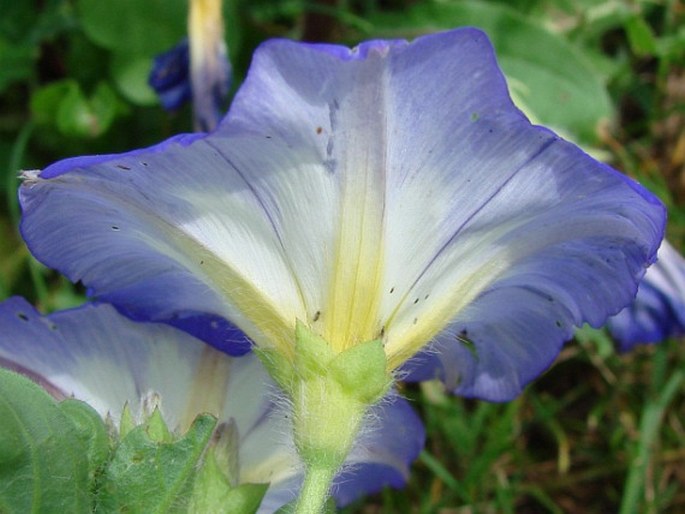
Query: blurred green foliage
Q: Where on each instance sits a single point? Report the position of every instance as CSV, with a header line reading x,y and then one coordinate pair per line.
x,y
600,432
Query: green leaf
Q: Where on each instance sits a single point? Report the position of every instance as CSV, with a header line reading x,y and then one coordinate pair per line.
x,y
91,431
46,101
78,116
63,103
24,21
17,19
640,36
23,27
130,74
213,481
43,461
214,489
213,494
16,62
106,107
553,79
75,117
243,499
149,477
150,26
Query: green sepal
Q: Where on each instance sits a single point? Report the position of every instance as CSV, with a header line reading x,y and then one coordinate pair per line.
x,y
361,371
90,430
330,394
150,477
312,352
43,461
280,369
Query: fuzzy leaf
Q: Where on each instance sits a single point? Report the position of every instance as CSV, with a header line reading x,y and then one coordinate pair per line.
x,y
43,461
91,431
151,477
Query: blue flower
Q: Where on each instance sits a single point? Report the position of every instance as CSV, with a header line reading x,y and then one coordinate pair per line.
x,y
197,68
390,191
658,311
98,356
170,76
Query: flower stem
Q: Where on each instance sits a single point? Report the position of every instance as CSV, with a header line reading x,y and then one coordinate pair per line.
x,y
327,421
315,490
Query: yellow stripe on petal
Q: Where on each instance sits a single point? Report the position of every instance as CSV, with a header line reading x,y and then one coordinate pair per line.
x,y
357,274
252,312
354,296
252,308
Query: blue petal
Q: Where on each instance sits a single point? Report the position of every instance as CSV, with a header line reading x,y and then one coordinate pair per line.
x,y
74,163
658,311
101,357
206,327
514,330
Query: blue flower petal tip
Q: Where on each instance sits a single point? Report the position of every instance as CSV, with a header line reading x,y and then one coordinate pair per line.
x,y
658,311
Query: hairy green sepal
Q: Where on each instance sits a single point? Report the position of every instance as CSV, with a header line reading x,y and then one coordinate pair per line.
x,y
331,393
